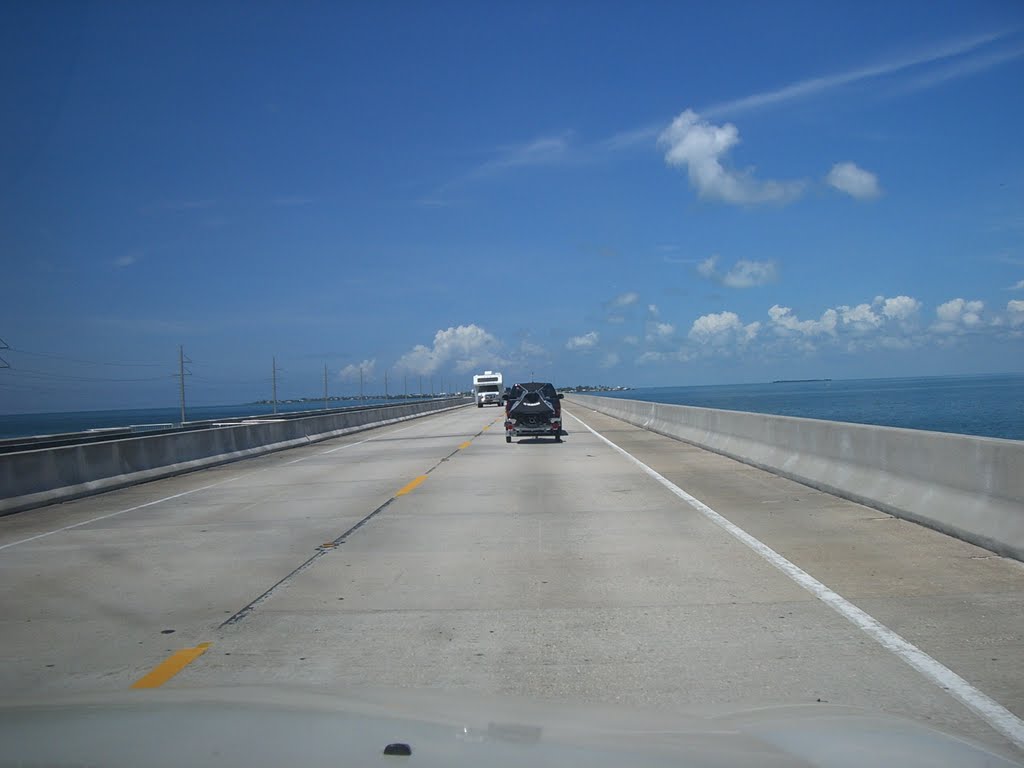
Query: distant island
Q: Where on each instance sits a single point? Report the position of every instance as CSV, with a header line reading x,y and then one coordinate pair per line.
x,y
797,381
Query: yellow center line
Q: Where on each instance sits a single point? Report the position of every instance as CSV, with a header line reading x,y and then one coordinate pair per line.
x,y
464,445
171,666
411,485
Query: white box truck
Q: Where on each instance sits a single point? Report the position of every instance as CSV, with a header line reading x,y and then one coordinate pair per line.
x,y
488,389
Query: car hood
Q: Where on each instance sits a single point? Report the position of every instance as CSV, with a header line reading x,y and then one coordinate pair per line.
x,y
255,727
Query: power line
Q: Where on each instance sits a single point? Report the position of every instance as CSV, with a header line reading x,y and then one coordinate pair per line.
x,y
32,373
80,360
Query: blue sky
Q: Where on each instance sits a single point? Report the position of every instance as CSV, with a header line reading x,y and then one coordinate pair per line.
x,y
675,193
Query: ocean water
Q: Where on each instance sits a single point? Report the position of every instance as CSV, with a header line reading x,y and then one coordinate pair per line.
x,y
26,424
989,406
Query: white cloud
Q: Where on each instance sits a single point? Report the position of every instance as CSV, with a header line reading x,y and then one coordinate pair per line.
x,y
660,331
722,329
854,181
744,274
1015,309
1018,286
899,307
958,315
351,372
709,267
784,322
652,310
964,67
610,360
466,347
861,317
529,348
815,85
586,341
631,340
701,148
626,299
126,261
747,274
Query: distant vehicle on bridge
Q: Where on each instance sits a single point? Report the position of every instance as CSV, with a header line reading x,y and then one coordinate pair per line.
x,y
533,409
487,389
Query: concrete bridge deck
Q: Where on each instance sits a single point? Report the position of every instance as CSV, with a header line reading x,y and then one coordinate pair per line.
x,y
431,554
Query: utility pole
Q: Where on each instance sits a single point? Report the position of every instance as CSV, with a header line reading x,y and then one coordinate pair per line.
x,y
431,386
273,379
182,373
385,385
325,386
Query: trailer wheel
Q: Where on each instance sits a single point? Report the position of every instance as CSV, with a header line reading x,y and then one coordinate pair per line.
x,y
508,439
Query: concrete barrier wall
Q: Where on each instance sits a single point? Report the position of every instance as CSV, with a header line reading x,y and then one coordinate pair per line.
x,y
969,487
35,478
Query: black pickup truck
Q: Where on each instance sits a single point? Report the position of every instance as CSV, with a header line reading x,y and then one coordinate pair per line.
x,y
533,409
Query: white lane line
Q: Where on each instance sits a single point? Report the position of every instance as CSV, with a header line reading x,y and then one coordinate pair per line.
x,y
989,710
188,493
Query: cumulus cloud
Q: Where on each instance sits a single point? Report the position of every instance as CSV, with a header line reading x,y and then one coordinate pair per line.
x,y
352,372
1018,286
658,332
744,274
899,307
584,342
885,323
958,315
1015,310
722,329
465,347
861,317
854,181
784,322
702,148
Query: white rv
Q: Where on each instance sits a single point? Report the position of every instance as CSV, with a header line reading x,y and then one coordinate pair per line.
x,y
487,388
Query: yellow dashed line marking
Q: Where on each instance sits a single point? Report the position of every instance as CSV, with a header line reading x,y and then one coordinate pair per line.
x,y
171,666
464,445
411,486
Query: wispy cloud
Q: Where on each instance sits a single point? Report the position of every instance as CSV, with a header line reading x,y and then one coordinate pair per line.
x,y
126,261
291,201
963,68
542,151
813,86
947,51
180,205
